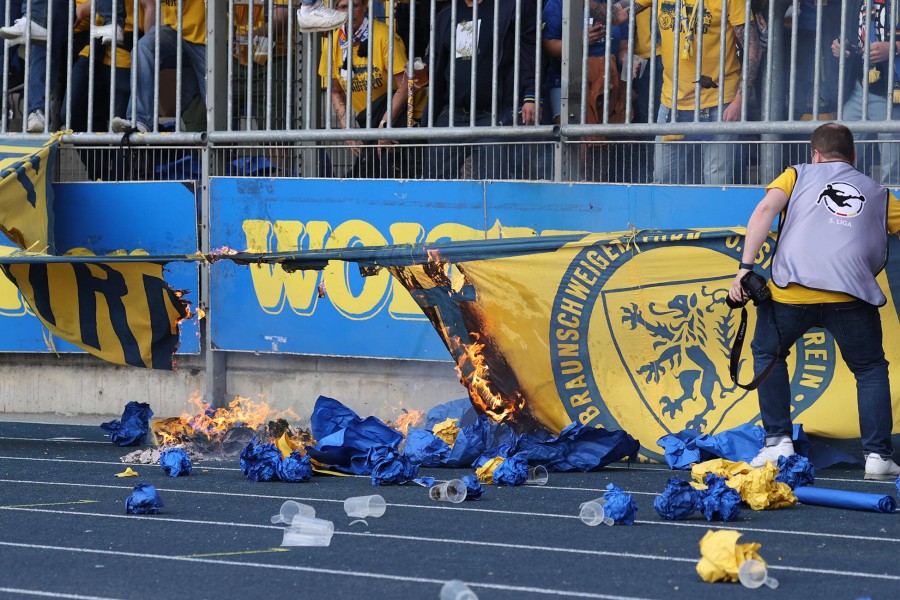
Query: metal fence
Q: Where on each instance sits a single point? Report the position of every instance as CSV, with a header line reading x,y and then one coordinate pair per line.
x,y
726,93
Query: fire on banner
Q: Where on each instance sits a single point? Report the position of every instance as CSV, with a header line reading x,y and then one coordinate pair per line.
x,y
622,331
120,310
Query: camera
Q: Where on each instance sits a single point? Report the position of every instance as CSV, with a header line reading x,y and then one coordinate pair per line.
x,y
755,286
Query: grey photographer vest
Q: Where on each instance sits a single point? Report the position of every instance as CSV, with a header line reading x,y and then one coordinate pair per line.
x,y
833,233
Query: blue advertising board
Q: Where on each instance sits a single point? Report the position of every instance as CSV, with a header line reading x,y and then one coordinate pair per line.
x,y
336,311
104,218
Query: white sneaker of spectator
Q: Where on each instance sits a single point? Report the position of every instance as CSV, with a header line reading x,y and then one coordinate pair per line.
x,y
15,33
120,125
879,468
772,451
106,32
318,17
36,121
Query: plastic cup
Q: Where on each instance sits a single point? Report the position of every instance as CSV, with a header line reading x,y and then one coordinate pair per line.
x,y
457,590
308,531
753,573
362,507
537,476
449,491
592,513
289,509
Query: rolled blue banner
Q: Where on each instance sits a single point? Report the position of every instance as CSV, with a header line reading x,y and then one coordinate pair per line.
x,y
843,499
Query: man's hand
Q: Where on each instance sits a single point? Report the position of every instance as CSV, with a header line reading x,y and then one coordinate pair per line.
x,y
836,48
597,32
355,145
529,113
732,112
880,52
736,292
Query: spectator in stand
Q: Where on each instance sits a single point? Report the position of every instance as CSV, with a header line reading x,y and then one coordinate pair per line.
x,y
141,107
258,43
874,36
594,161
356,44
676,163
492,157
34,30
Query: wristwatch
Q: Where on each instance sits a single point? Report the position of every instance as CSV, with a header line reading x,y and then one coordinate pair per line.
x,y
748,266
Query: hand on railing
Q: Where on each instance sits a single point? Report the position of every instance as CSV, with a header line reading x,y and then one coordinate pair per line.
x,y
732,112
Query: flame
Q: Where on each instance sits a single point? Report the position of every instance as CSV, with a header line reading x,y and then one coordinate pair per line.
x,y
201,314
407,420
434,255
474,373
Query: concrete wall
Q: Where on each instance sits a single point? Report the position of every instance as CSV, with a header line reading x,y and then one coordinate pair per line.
x,y
81,388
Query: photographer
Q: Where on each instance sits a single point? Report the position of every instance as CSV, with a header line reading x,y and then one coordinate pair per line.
x,y
832,243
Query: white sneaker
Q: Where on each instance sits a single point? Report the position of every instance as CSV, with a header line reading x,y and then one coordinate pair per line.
x,y
120,125
318,17
36,122
883,469
106,32
785,447
15,33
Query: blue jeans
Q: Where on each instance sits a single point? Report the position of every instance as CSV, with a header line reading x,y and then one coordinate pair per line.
x,y
193,65
877,111
712,164
856,327
37,94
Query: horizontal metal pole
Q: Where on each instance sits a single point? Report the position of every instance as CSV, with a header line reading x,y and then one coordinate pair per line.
x,y
31,258
114,139
432,134
736,128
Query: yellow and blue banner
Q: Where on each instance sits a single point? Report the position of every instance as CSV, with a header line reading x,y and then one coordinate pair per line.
x,y
26,208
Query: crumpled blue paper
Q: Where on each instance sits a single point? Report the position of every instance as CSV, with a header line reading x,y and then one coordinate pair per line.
x,y
718,501
426,449
259,462
620,507
578,448
461,410
132,428
882,503
512,471
389,467
739,444
795,470
344,439
144,500
424,481
678,501
681,449
294,468
175,462
473,487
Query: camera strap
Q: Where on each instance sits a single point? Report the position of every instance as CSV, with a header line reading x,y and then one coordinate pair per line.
x,y
736,356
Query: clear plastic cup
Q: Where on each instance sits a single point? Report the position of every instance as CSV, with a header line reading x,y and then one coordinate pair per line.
x,y
457,590
362,507
592,513
753,573
537,476
291,508
449,491
308,531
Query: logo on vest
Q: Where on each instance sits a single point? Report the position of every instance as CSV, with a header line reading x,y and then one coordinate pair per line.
x,y
842,199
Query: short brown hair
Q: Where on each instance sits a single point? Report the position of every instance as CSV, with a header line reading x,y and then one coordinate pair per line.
x,y
833,141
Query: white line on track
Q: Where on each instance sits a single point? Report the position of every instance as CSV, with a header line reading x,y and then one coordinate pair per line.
x,y
527,547
321,570
62,439
706,525
43,594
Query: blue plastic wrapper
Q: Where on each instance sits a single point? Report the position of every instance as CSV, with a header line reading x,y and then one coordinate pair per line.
x,y
175,462
881,503
719,502
426,449
389,467
132,428
259,462
344,439
144,500
620,507
294,468
681,449
579,448
473,487
678,501
512,471
796,471
424,481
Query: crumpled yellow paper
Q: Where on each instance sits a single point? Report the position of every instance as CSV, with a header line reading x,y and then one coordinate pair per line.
x,y
447,431
485,472
128,472
757,487
721,555
287,445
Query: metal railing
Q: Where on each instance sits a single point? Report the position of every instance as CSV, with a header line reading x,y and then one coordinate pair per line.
x,y
462,83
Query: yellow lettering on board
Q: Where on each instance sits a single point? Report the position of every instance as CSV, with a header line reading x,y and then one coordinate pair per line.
x,y
339,275
272,285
